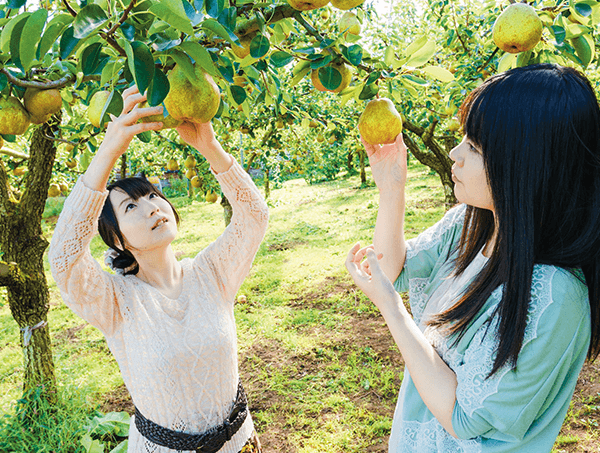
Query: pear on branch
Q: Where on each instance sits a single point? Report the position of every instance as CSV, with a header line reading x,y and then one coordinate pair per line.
x,y
42,104
380,123
14,119
517,29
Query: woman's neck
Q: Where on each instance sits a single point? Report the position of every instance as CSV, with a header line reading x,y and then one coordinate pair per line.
x,y
160,269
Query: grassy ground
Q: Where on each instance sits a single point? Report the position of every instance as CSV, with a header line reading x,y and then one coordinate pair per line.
x,y
319,365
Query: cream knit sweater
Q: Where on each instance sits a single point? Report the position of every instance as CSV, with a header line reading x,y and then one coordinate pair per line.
x,y
178,357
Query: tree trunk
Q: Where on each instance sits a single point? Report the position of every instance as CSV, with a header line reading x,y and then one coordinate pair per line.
x,y
363,173
21,263
227,209
350,164
267,185
124,166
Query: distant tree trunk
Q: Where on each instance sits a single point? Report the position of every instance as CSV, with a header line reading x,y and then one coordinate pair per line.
x,y
350,163
124,166
267,185
21,262
435,156
363,172
227,209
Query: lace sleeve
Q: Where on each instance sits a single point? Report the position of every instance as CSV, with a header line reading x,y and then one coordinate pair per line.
x,y
537,393
85,288
231,255
429,250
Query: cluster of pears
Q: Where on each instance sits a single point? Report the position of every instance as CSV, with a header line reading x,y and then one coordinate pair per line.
x,y
190,99
517,29
37,108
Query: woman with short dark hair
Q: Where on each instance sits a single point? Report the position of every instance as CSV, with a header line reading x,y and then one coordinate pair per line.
x,y
505,289
169,323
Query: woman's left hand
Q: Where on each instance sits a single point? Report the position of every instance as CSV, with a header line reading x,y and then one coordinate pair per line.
x,y
200,136
369,277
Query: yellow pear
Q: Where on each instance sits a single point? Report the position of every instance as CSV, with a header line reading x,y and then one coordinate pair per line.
x,y
320,138
346,4
63,188
190,173
349,24
453,124
325,13
211,197
71,163
313,123
14,119
54,190
94,112
380,123
168,121
172,165
42,104
194,100
517,29
19,171
279,123
344,71
195,182
190,162
331,139
244,50
307,5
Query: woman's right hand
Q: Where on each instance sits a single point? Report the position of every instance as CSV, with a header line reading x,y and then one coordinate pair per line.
x,y
119,133
388,164
122,129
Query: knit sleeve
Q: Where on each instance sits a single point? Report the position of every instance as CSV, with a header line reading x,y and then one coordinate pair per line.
x,y
229,257
85,288
529,403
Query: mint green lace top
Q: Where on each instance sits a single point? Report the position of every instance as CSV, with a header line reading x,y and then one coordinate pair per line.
x,y
519,410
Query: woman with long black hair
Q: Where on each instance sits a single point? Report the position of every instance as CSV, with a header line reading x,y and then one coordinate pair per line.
x,y
505,289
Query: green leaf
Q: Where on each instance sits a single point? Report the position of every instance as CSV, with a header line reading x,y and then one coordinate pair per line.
x,y
353,54
583,9
330,77
89,19
114,105
15,39
31,35
280,58
414,80
442,74
259,46
145,137
373,77
183,60
415,46
507,61
559,33
54,29
8,29
121,448
368,92
90,58
158,89
228,18
201,56
422,55
173,13
523,59
214,7
3,81
321,61
584,49
215,27
15,4
194,16
143,67
238,94
110,71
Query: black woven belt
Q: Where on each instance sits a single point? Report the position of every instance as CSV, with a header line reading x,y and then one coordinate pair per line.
x,y
210,441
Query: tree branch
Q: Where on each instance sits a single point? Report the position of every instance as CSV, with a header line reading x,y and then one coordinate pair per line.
x,y
72,12
13,153
278,13
60,83
10,274
123,18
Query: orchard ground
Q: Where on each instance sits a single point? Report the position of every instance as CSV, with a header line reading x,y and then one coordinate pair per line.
x,y
319,365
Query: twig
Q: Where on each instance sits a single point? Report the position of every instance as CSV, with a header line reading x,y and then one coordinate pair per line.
x,y
120,22
71,10
13,153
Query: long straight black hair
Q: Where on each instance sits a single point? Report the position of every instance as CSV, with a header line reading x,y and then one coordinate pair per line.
x,y
538,128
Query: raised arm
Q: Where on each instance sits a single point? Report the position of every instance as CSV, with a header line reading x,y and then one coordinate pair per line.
x,y
388,166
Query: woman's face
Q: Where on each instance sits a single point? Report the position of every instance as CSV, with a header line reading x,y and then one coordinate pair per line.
x,y
146,223
468,173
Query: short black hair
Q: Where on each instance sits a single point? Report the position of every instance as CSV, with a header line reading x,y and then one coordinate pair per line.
x,y
108,225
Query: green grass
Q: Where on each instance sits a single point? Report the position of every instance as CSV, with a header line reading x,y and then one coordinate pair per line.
x,y
320,367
